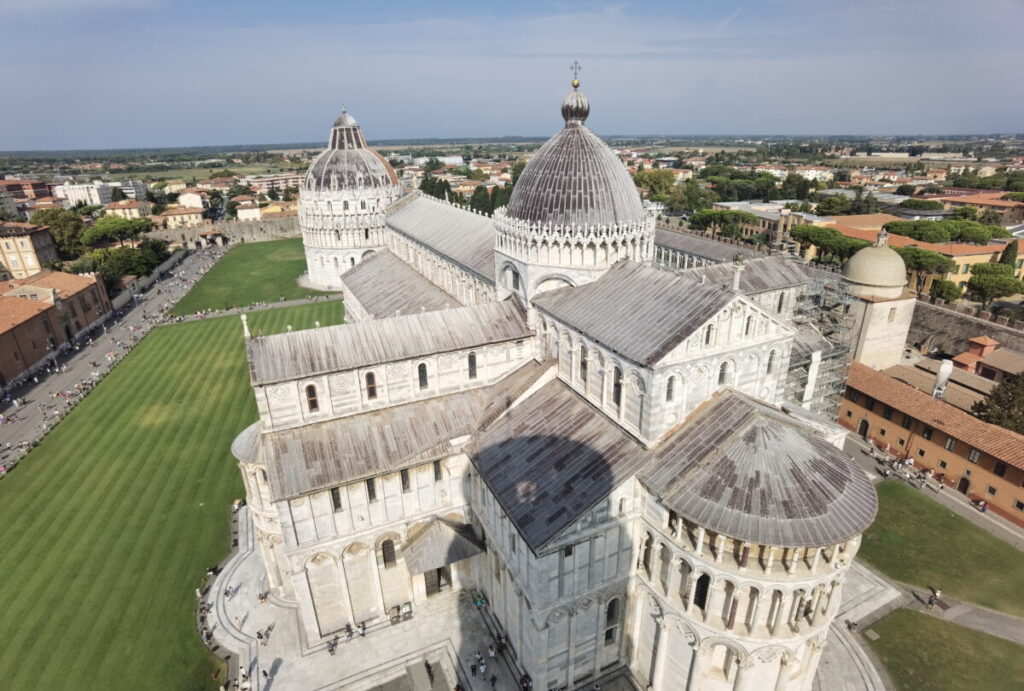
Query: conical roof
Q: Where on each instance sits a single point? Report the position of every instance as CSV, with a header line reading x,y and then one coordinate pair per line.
x,y
575,179
347,163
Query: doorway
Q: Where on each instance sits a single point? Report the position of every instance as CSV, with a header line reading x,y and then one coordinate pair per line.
x,y
963,485
862,430
438,580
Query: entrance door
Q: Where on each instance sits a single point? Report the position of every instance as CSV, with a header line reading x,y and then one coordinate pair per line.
x,y
863,429
437,580
963,485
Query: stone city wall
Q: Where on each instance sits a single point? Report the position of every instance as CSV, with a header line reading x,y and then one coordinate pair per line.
x,y
938,325
234,231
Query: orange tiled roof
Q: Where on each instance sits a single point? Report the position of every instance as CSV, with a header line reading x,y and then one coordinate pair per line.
x,y
983,199
967,359
865,221
183,211
65,284
996,441
15,311
983,341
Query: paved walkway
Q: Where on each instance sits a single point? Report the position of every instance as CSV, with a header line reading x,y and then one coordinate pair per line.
x,y
966,614
27,423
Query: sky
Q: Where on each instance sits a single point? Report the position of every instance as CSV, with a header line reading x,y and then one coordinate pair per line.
x,y
145,73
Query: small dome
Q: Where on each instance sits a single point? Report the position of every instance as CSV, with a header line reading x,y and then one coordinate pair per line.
x,y
575,179
347,163
878,266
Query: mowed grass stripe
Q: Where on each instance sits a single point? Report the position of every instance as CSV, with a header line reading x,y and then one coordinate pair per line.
x,y
111,521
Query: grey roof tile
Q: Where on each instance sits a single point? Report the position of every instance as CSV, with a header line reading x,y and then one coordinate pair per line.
x,y
462,236
386,286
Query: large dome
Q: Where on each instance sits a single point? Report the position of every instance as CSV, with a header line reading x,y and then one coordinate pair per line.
x,y
878,266
575,179
347,163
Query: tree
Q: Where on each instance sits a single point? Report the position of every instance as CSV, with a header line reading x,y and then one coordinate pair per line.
x,y
517,170
965,213
863,203
432,164
66,227
1005,405
114,228
233,191
117,195
991,281
690,196
945,290
728,224
833,206
990,217
480,200
925,263
922,204
656,182
272,194
501,196
1009,255
906,189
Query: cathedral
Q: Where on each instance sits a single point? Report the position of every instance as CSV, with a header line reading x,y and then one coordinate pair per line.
x,y
532,408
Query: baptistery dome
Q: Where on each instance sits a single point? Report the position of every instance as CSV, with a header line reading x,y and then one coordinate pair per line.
x,y
575,179
347,163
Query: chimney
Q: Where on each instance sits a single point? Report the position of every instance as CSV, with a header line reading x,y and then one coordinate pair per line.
x,y
945,370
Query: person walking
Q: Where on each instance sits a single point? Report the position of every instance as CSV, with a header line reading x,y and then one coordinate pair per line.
x,y
494,680
472,670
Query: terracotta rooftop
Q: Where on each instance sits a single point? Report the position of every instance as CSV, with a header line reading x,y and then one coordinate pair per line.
x,y
996,441
65,284
15,310
182,211
16,228
984,341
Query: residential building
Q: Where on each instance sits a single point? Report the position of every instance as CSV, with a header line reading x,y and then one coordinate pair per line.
x,y
24,249
8,207
181,217
194,198
129,208
24,189
774,220
1010,212
89,193
40,313
278,181
248,211
222,184
985,358
979,460
174,186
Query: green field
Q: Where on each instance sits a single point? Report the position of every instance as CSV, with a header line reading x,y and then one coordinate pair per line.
x,y
109,524
918,541
251,272
200,174
922,652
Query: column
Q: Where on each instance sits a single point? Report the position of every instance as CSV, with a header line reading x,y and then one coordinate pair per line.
x,y
755,611
716,598
694,576
571,627
700,541
816,603
782,681
770,560
814,561
744,675
719,547
658,678
791,567
814,650
673,579
699,666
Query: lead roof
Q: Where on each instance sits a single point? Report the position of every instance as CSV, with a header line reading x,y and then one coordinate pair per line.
x,y
386,286
637,311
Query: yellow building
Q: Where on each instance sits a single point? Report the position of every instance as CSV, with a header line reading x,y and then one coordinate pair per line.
x,y
24,249
129,208
182,217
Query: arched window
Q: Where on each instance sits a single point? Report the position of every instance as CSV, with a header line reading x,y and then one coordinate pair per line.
x,y
387,553
351,261
583,365
670,388
749,328
611,621
422,372
362,205
366,233
646,559
700,595
782,302
371,386
709,334
723,373
617,388
344,206
471,363
337,236
311,401
771,362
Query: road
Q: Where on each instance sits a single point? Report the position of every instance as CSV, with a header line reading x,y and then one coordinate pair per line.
x,y
40,405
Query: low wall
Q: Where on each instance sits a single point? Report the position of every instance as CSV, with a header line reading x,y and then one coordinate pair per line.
x,y
937,325
235,231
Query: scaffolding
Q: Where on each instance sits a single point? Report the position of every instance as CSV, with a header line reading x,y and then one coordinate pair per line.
x,y
820,359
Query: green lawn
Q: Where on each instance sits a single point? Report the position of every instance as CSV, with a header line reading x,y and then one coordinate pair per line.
x,y
199,174
110,522
251,272
918,541
922,652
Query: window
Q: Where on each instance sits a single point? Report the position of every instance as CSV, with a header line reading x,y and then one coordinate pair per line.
x,y
887,412
973,455
371,386
366,233
902,442
920,452
854,396
336,499
387,553
311,401
849,413
723,373
927,432
371,490
991,491
673,523
404,473
583,365
362,205
617,388
471,364
907,420
515,280
1019,505
709,334
567,551
438,473
344,206
771,362
950,443
749,327
670,388
870,403
422,373
782,303
611,621
881,431
892,314
1000,469
942,464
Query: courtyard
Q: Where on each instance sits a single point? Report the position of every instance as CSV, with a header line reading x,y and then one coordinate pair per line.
x,y
111,521
248,273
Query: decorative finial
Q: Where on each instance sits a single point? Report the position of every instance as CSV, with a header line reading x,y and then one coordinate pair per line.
x,y
575,68
883,239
